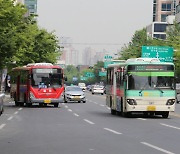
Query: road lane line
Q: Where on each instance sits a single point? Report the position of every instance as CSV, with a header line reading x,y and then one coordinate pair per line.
x,y
108,108
66,106
102,105
141,119
76,115
20,109
90,122
10,118
113,131
157,148
69,110
16,112
63,103
2,125
95,102
170,126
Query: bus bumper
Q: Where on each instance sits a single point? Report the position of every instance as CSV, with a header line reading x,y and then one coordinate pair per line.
x,y
47,100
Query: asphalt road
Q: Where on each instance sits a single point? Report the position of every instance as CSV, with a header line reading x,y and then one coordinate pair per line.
x,y
78,128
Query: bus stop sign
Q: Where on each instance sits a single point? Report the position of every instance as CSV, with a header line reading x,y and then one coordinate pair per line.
x,y
164,53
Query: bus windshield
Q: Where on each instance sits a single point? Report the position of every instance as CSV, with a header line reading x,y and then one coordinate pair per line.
x,y
136,82
45,78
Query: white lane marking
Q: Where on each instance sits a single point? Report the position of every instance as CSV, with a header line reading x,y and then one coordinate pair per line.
x,y
157,148
90,122
113,131
102,105
2,125
141,119
16,112
69,110
10,118
95,102
20,109
63,104
170,126
108,108
76,115
66,106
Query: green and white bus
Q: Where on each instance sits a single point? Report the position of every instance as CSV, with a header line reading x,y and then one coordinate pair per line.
x,y
141,85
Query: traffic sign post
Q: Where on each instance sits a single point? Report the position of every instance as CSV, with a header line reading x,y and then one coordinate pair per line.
x,y
163,53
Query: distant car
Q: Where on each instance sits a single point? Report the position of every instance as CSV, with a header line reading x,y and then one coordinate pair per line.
x,y
178,92
1,103
74,93
82,86
97,89
178,88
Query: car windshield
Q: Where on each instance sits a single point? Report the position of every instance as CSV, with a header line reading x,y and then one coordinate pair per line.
x,y
73,89
150,82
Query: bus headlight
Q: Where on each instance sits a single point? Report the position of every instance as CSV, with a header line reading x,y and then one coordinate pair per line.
x,y
31,95
170,101
131,102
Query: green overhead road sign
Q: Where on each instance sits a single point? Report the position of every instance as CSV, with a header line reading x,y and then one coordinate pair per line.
x,y
164,53
102,73
89,74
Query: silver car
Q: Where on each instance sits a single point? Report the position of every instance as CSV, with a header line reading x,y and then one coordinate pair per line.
x,y
1,103
74,93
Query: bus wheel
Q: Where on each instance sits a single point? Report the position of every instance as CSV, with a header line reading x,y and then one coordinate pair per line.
x,y
113,112
165,114
29,104
56,104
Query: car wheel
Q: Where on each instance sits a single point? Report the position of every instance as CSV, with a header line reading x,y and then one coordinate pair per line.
x,y
92,93
84,101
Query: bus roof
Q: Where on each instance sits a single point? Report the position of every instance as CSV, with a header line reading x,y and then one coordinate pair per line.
x,y
140,61
37,65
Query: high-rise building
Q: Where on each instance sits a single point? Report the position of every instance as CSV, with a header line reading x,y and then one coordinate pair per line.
x,y
30,4
178,13
162,9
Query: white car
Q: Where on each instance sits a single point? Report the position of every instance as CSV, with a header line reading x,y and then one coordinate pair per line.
x,y
73,94
82,86
96,89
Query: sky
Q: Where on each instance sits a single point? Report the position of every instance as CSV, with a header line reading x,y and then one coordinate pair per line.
x,y
103,24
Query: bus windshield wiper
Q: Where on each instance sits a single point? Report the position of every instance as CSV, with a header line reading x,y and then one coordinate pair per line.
x,y
159,90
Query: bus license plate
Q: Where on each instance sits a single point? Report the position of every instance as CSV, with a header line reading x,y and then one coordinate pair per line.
x,y
151,108
47,101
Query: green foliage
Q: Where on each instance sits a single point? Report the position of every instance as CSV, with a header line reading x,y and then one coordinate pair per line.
x,y
140,38
21,39
71,71
11,17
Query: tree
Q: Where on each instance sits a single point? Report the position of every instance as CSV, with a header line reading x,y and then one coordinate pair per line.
x,y
11,17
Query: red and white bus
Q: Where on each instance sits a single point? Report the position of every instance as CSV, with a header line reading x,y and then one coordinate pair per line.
x,y
41,83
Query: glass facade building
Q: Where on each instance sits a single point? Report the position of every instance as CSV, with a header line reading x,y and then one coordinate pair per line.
x,y
31,6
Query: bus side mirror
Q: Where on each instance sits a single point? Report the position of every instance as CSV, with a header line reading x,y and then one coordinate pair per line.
x,y
65,78
29,76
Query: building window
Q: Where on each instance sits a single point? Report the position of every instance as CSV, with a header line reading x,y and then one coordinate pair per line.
x,y
31,7
163,17
160,36
165,7
160,27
